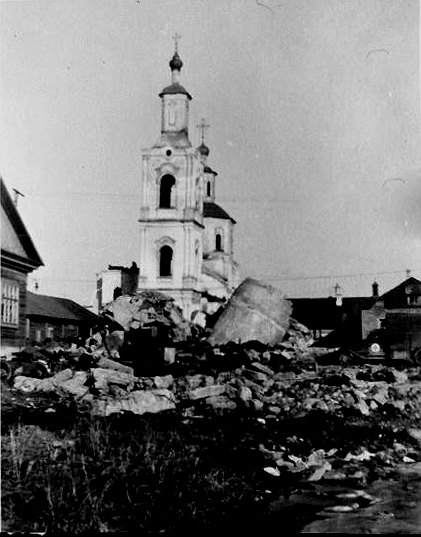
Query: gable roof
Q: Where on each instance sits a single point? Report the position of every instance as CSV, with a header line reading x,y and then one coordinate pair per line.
x,y
58,308
19,247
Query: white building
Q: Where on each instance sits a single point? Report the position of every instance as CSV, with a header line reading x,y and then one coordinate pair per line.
x,y
186,239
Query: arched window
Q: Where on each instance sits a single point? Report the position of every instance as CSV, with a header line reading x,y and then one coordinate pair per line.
x,y
209,188
218,242
165,261
165,191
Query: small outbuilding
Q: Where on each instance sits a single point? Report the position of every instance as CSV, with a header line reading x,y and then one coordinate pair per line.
x,y
57,319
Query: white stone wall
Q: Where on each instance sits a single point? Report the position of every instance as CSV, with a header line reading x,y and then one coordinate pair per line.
x,y
214,225
175,113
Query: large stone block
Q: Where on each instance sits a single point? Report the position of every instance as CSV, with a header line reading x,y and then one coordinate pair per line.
x,y
76,385
107,363
30,384
139,402
220,401
207,391
105,377
256,311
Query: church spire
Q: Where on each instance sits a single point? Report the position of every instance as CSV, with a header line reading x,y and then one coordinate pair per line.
x,y
175,63
175,106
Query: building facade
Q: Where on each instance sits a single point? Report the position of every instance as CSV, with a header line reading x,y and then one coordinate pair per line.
x,y
387,324
57,319
19,257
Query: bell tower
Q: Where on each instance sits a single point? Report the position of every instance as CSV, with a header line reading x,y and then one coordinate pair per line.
x,y
171,201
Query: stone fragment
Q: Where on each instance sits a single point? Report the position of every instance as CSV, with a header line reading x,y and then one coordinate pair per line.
x,y
61,376
263,368
76,385
104,377
220,401
209,381
207,391
116,391
30,384
320,472
272,471
274,410
400,405
362,407
107,363
258,405
163,382
194,381
139,402
342,508
245,393
415,433
381,397
400,376
349,400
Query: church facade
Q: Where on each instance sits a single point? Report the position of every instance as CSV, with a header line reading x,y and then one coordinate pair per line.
x,y
186,239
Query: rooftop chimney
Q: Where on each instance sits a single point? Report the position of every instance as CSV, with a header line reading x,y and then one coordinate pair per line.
x,y
375,287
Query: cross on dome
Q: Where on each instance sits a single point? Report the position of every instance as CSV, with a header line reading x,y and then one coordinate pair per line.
x,y
176,38
203,126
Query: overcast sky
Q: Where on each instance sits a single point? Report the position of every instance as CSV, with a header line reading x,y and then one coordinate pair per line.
x,y
314,107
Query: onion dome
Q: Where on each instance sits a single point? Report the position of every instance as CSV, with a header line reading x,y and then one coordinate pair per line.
x,y
203,150
175,63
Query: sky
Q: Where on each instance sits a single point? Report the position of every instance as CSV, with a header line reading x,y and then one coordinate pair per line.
x,y
314,113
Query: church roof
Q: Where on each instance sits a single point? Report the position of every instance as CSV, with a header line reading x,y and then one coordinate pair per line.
x,y
175,88
212,210
208,169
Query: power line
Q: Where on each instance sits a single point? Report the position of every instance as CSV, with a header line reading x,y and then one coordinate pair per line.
x,y
265,278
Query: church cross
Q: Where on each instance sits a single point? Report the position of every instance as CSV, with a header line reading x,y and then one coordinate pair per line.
x,y
176,38
203,126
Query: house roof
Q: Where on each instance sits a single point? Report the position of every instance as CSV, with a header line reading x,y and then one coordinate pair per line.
x,y
52,307
323,313
212,210
20,247
345,332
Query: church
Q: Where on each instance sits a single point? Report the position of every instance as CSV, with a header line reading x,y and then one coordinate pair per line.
x,y
186,238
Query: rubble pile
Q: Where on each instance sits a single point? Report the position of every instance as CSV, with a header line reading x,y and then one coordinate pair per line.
x,y
318,421
147,309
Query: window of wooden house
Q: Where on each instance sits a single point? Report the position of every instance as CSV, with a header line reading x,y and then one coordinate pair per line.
x,y
413,300
209,188
165,261
10,303
166,192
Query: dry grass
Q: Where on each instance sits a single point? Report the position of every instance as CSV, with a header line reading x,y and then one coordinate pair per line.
x,y
124,474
